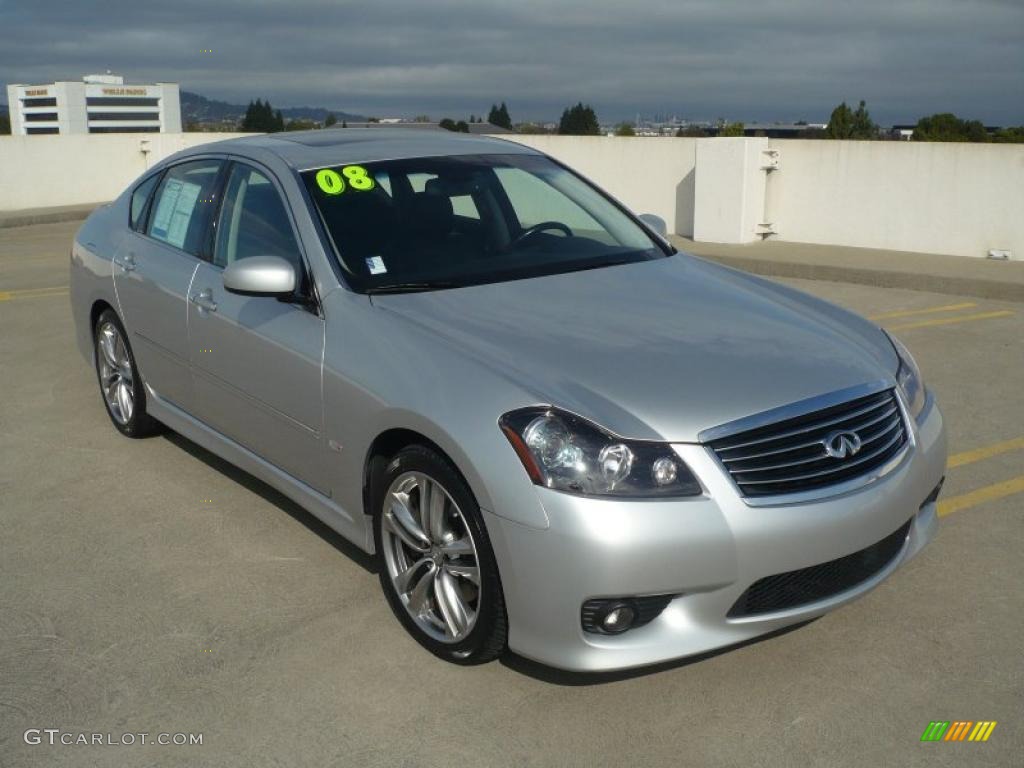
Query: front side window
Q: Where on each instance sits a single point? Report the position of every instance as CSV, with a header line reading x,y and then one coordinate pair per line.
x,y
441,222
181,208
253,221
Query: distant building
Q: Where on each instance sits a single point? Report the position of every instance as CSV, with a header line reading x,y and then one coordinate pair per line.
x,y
97,104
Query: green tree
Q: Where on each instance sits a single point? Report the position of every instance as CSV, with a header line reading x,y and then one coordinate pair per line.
x,y
499,116
5,124
624,129
300,125
504,120
457,127
579,121
260,117
948,127
692,131
1009,135
846,123
251,121
330,120
731,129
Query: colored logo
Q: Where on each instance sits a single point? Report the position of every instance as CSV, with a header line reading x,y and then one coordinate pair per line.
x,y
958,730
840,445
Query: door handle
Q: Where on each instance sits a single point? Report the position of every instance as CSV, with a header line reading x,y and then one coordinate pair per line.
x,y
204,300
128,265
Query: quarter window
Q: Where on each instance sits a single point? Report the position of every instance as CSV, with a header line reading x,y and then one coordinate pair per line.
x,y
139,198
181,208
253,221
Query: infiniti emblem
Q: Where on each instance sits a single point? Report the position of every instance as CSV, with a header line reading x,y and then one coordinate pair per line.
x,y
841,445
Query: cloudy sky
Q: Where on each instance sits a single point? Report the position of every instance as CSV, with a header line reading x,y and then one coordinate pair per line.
x,y
740,59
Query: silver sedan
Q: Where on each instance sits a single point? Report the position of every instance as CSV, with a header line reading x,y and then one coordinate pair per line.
x,y
556,434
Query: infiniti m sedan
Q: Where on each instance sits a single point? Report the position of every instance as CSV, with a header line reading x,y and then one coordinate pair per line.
x,y
555,433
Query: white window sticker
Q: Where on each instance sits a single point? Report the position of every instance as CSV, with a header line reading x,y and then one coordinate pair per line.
x,y
376,265
174,211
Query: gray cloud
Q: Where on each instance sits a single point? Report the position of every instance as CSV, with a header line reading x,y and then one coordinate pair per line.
x,y
741,59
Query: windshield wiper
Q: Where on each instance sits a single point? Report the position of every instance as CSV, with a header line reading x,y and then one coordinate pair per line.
x,y
411,287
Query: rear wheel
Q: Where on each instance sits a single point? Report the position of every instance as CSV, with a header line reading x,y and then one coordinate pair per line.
x,y
120,384
437,567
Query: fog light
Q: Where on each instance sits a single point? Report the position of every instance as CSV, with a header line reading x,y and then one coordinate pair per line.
x,y
615,615
618,618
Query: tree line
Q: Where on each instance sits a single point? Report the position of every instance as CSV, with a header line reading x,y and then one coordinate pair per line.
x,y
580,119
846,123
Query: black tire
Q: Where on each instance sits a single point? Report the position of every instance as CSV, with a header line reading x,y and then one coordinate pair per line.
x,y
488,637
140,423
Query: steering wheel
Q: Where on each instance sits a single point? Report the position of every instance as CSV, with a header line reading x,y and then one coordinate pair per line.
x,y
544,225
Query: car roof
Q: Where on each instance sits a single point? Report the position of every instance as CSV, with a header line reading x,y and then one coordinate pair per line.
x,y
304,150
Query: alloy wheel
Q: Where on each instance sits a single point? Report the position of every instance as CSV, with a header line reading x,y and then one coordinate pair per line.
x,y
116,379
431,557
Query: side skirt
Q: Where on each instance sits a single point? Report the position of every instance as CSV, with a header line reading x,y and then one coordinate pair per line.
x,y
352,528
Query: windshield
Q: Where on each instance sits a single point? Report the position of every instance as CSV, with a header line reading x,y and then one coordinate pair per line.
x,y
440,222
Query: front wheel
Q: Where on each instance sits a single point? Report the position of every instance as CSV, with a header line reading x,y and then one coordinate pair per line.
x,y
437,567
120,384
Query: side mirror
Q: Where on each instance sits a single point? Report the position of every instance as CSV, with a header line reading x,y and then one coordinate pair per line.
x,y
655,222
260,276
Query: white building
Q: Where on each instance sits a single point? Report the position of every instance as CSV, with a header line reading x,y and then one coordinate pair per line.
x,y
98,104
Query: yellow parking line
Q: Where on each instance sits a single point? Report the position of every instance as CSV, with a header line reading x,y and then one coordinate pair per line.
x,y
34,293
987,452
980,496
951,320
929,311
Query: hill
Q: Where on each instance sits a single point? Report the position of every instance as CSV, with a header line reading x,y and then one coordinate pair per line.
x,y
199,109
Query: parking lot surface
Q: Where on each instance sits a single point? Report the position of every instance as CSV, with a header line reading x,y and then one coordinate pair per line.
x,y
148,587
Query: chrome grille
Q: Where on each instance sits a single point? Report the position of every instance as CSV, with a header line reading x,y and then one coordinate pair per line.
x,y
790,456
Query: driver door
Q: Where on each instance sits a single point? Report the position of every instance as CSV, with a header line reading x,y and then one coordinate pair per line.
x,y
257,360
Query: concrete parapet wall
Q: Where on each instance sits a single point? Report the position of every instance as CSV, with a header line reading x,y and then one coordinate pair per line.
x,y
52,171
960,199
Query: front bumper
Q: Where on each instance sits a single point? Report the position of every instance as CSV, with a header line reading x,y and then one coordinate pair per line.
x,y
708,550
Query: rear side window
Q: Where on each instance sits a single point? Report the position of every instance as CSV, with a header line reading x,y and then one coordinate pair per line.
x,y
139,199
182,205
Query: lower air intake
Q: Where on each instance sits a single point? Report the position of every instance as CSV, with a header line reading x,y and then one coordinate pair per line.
x,y
792,589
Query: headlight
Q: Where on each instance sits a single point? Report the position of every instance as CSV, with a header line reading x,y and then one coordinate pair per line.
x,y
908,376
568,453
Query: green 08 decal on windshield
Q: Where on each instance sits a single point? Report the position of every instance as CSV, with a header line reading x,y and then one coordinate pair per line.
x,y
333,183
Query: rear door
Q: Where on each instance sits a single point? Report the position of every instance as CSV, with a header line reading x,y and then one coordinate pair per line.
x,y
154,266
257,360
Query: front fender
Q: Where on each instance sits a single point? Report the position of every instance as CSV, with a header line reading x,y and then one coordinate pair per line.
x,y
381,373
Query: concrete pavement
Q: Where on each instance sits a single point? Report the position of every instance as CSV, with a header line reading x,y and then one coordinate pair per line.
x,y
938,273
147,586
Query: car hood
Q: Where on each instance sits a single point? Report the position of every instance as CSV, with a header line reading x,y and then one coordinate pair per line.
x,y
659,349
